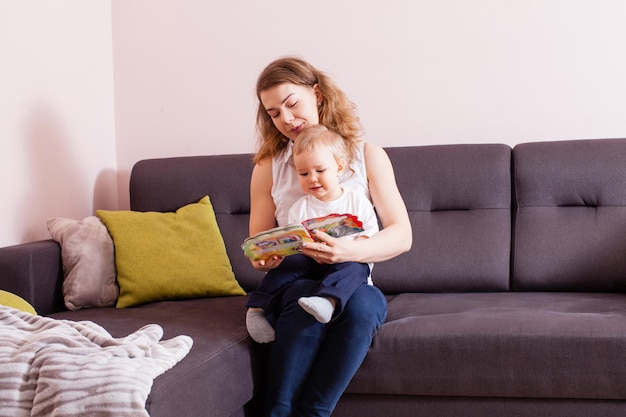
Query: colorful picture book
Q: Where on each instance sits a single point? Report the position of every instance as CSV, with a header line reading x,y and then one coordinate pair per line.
x,y
285,240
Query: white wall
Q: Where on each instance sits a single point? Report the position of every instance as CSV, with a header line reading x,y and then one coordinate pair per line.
x,y
421,72
57,139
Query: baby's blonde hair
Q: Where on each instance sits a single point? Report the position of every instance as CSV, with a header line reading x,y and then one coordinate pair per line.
x,y
314,136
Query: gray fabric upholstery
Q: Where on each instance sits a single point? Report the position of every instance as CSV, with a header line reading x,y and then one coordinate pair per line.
x,y
459,203
507,344
510,302
422,406
570,226
34,272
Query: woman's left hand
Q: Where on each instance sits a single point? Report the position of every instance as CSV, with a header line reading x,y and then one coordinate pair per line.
x,y
327,249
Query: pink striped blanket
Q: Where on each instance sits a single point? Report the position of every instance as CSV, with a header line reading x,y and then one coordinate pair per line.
x,y
63,368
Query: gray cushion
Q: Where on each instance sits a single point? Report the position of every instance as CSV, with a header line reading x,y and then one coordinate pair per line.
x,y
459,202
570,226
543,345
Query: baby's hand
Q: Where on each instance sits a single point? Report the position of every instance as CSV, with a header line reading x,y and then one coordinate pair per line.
x,y
265,265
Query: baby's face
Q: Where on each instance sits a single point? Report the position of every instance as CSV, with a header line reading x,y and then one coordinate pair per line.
x,y
319,173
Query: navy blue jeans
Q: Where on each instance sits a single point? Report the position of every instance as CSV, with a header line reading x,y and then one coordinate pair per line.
x,y
310,364
334,280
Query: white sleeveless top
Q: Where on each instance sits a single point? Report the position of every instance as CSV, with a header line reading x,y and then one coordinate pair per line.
x,y
286,185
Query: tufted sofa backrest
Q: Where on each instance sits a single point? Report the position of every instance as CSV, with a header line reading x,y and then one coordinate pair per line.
x,y
459,203
570,222
568,213
458,198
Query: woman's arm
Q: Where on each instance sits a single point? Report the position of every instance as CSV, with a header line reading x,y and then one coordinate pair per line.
x,y
262,208
396,236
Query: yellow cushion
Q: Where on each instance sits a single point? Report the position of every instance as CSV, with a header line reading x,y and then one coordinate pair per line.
x,y
12,300
165,256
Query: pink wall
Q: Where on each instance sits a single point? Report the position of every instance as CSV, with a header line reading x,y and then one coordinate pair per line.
x,y
420,71
92,87
56,114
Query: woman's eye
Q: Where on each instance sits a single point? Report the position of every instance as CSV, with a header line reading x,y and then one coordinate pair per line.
x,y
291,106
274,115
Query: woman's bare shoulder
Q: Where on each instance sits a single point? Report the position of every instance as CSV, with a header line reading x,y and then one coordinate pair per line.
x,y
262,173
375,156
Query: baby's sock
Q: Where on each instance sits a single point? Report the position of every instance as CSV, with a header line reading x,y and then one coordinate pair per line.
x,y
319,307
260,330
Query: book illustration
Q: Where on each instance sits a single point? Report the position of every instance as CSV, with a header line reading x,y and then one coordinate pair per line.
x,y
285,240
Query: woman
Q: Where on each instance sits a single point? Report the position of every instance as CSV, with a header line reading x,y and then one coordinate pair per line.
x,y
310,364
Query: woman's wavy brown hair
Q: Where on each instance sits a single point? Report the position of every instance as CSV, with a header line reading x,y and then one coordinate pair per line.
x,y
336,111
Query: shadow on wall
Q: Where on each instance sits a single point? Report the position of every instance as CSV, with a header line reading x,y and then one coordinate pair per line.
x,y
123,187
55,186
105,191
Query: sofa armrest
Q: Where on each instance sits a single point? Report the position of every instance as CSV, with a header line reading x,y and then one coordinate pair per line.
x,y
34,272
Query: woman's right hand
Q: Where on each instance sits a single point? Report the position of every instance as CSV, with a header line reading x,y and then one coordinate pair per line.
x,y
265,265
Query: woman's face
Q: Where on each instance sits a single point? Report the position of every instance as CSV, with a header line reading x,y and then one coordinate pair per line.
x,y
291,107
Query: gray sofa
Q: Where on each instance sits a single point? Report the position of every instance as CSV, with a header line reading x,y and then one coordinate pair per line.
x,y
510,302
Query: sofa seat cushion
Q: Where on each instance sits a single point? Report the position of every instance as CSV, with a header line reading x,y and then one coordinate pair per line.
x,y
533,345
215,378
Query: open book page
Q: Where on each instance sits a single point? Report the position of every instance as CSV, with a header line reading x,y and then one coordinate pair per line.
x,y
285,241
336,225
